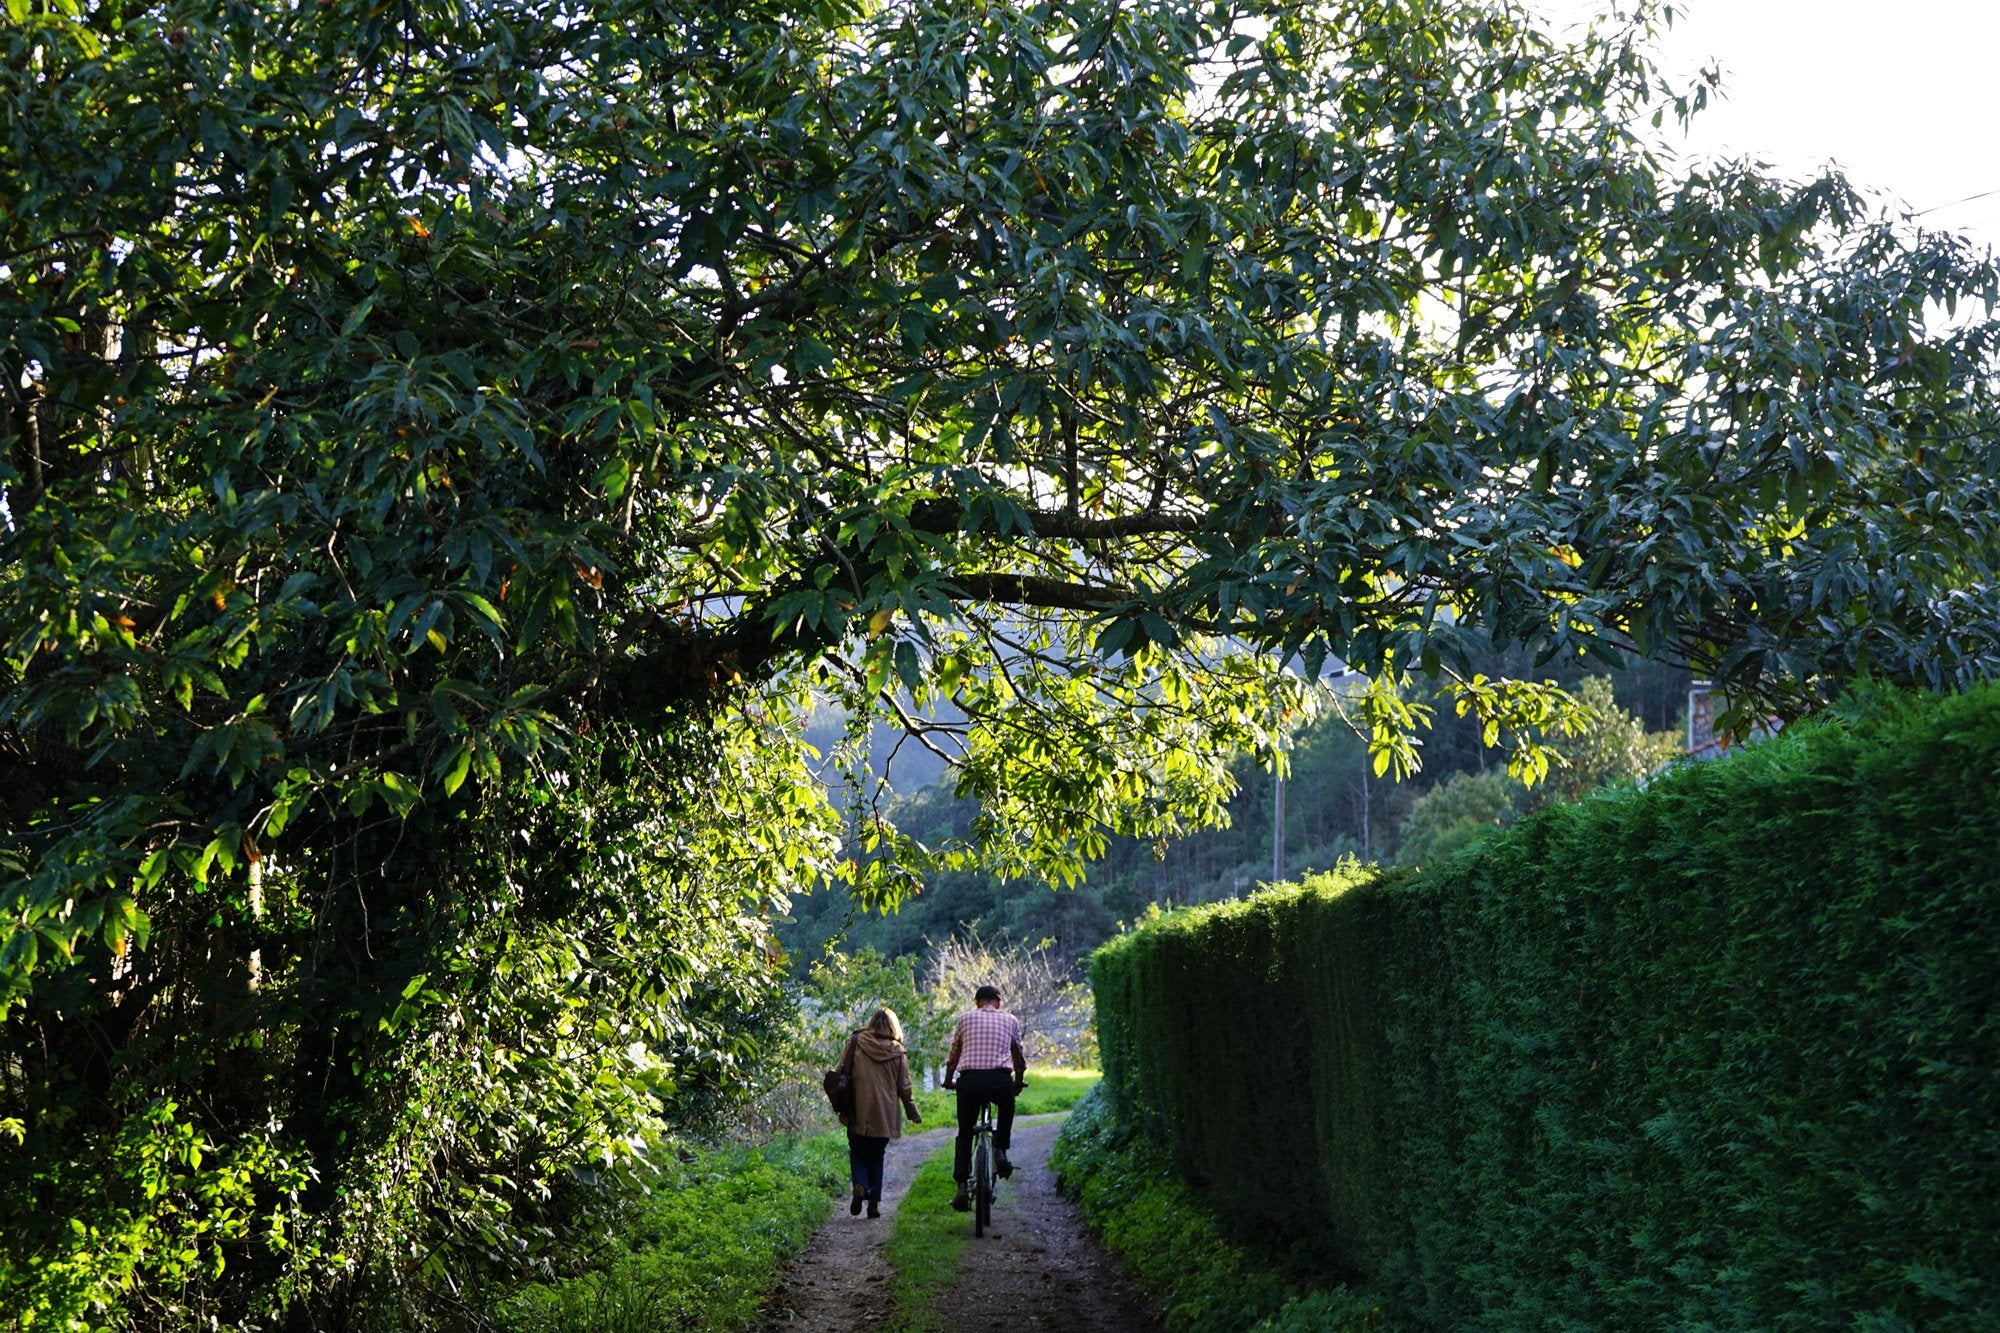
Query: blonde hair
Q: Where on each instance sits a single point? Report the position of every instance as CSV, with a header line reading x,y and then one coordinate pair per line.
x,y
886,1024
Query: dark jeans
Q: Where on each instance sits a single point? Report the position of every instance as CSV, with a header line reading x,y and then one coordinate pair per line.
x,y
864,1163
976,1087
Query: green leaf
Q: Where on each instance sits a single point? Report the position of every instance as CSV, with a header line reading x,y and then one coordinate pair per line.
x,y
359,314
811,355
457,764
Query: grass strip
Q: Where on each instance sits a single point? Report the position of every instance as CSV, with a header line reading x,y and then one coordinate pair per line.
x,y
925,1246
929,1237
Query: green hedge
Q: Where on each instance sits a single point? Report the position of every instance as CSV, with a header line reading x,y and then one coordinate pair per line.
x,y
1716,1054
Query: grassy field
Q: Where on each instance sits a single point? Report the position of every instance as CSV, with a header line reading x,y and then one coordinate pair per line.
x,y
1048,1090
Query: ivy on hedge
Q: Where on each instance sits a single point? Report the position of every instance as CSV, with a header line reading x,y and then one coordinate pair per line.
x,y
1719,1053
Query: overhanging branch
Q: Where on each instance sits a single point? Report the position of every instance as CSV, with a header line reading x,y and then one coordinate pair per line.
x,y
947,516
1039,591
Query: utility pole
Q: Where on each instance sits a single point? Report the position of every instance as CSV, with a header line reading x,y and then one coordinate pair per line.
x,y
1367,853
1278,829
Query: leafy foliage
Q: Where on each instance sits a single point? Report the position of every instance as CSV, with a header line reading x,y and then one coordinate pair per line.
x,y
1335,808
1606,745
447,447
1452,815
846,989
556,968
1718,1051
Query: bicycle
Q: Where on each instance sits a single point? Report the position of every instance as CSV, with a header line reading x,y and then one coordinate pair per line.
x,y
982,1171
985,1160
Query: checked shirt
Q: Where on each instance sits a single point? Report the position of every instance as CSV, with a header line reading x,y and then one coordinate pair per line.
x,y
985,1039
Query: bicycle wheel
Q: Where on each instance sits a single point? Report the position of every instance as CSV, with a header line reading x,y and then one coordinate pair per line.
x,y
982,1189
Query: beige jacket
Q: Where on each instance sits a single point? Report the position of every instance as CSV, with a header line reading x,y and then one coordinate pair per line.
x,y
881,1086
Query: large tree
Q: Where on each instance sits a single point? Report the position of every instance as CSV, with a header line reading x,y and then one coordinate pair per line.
x,y
445,446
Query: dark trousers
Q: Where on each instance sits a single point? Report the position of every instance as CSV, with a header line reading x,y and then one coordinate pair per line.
x,y
976,1087
864,1163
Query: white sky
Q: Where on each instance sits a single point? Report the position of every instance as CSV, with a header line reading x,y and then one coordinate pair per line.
x,y
1904,95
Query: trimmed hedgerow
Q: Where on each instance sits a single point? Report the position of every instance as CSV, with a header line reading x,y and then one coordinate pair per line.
x,y
1716,1054
1214,1026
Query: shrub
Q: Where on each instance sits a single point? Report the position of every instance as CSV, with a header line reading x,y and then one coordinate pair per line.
x,y
1456,813
1039,985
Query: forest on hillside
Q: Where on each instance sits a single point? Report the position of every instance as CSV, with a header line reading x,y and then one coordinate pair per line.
x,y
1335,806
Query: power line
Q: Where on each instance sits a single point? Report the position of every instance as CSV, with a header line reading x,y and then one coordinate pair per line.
x,y
1983,194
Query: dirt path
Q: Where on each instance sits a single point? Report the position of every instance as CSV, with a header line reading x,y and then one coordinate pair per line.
x,y
840,1284
1036,1268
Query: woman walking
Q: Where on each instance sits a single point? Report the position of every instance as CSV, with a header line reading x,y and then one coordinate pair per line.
x,y
882,1096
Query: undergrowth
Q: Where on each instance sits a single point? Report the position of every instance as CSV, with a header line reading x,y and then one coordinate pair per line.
x,y
1202,1281
702,1250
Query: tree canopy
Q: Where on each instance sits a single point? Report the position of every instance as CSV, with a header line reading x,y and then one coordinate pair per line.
x,y
446,446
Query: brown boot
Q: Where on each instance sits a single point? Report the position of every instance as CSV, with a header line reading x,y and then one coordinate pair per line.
x,y
874,1209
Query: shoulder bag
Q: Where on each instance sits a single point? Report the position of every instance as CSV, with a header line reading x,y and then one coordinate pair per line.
x,y
838,1083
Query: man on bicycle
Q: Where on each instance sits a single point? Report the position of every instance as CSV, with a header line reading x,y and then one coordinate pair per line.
x,y
986,1064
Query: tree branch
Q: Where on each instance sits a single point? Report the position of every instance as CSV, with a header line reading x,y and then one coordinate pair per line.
x,y
1036,590
943,516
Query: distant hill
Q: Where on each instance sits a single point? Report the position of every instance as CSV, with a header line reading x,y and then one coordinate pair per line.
x,y
1334,807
